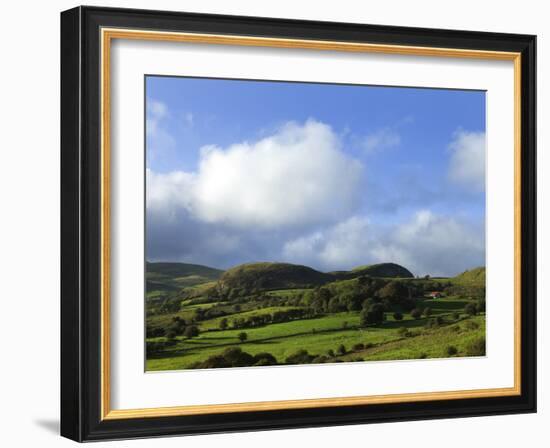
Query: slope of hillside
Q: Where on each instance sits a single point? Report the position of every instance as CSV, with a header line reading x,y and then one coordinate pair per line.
x,y
271,276
383,270
167,277
472,277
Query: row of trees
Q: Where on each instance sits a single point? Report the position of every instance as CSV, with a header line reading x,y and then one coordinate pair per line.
x,y
259,320
177,327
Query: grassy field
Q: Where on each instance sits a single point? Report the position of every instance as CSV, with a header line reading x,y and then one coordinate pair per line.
x,y
320,335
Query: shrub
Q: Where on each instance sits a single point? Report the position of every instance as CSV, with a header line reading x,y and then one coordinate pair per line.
x,y
242,336
403,331
470,309
342,349
154,332
320,359
230,357
374,314
398,316
480,305
191,331
223,323
235,357
408,304
427,311
171,334
212,362
369,345
422,355
264,359
476,347
300,357
434,322
416,313
451,350
152,348
330,353
358,346
455,316
430,323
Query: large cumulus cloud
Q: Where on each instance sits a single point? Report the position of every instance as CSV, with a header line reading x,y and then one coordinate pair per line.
x,y
297,177
425,243
251,194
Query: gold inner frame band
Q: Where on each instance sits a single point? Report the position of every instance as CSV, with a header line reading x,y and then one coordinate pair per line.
x,y
107,35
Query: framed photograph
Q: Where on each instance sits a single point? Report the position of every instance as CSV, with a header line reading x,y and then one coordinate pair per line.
x,y
273,223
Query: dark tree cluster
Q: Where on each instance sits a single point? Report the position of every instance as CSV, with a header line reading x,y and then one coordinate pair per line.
x,y
259,320
153,348
178,327
372,314
235,357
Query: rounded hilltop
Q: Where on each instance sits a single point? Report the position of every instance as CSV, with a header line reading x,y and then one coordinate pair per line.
x,y
267,275
272,275
383,270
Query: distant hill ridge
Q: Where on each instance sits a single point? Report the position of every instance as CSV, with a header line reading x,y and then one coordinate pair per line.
x,y
173,276
270,275
166,277
175,269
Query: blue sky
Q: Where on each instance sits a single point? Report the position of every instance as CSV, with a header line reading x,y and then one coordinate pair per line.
x,y
328,175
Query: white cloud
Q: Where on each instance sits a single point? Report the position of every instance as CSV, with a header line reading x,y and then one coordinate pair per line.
x,y
159,140
297,177
156,111
425,244
434,244
383,138
167,194
343,245
467,164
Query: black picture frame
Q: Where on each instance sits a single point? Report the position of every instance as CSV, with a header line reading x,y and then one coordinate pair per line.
x,y
81,224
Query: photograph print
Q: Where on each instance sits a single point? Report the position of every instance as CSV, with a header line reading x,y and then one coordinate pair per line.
x,y
306,223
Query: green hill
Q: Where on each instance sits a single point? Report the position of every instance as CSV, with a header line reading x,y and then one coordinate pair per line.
x,y
271,276
472,277
166,277
382,270
266,276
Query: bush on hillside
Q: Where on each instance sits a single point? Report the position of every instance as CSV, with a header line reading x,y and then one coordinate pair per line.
x,y
300,357
373,315
398,316
470,309
476,347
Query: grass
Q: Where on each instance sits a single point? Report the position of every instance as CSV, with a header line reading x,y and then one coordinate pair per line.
x,y
428,344
286,292
319,335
